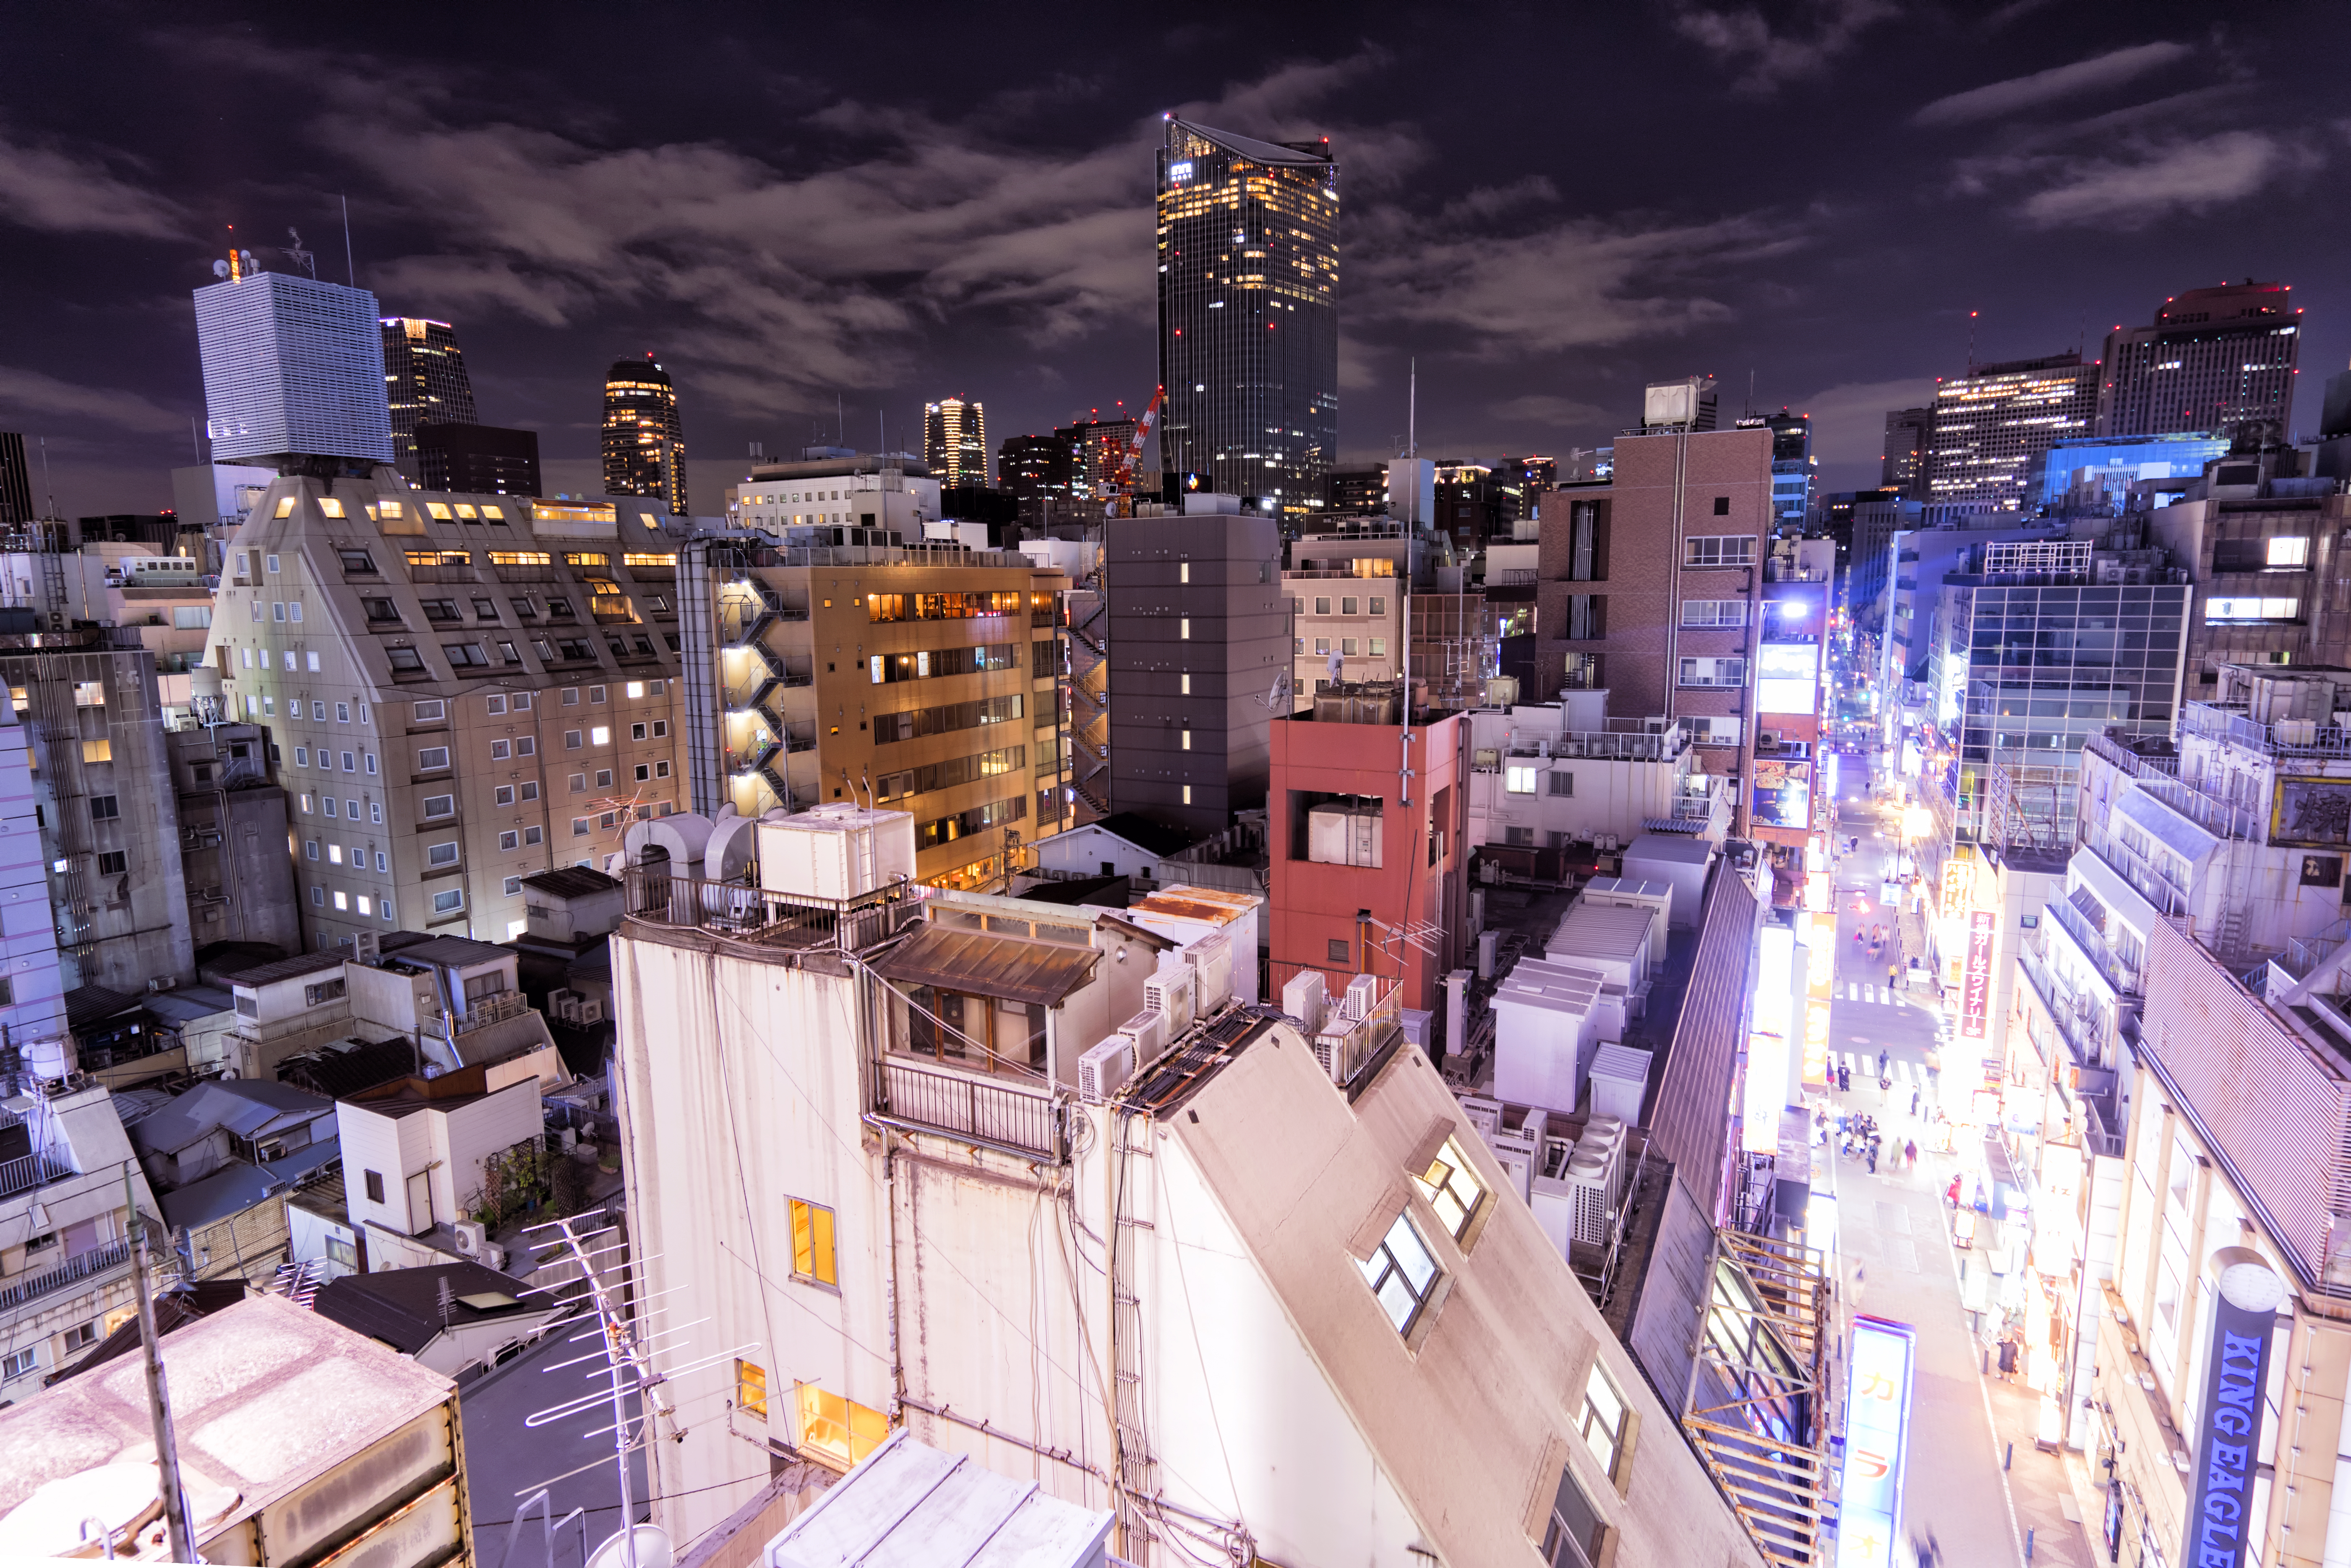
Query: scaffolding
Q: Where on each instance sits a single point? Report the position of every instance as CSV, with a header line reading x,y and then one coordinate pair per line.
x,y
1758,1411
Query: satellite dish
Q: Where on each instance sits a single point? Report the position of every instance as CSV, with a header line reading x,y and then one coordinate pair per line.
x,y
220,269
650,1541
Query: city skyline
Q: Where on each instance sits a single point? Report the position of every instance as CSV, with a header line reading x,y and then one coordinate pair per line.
x,y
2016,166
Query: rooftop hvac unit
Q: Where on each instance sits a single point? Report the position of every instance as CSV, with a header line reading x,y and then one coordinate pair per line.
x,y
1363,996
1519,1151
1587,1181
1483,1113
1103,1071
470,1239
1343,835
1211,959
1168,992
1339,1050
1608,1149
494,1255
1147,1032
1304,998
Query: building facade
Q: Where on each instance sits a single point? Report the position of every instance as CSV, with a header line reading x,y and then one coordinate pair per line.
x,y
236,857
1037,472
2213,358
955,442
1198,637
1994,425
292,367
1904,465
69,1181
887,490
643,441
459,691
15,482
1249,321
476,459
424,382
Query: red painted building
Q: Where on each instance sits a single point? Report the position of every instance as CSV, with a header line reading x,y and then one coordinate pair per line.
x,y
1367,814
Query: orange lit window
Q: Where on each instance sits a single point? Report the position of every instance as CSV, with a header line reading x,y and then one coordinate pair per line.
x,y
751,1389
839,1429
812,1257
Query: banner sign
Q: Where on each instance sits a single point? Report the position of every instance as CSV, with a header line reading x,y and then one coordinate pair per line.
x,y
2221,1524
1975,978
1876,1430
1820,987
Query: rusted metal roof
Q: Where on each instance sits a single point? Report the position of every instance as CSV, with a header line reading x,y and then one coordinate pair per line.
x,y
1040,973
1185,901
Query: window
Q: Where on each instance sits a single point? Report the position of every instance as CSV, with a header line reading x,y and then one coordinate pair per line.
x,y
301,757
113,862
1184,626
2289,551
1604,1423
1451,1190
1718,550
19,1363
1379,648
1563,782
2219,610
429,712
1337,950
513,885
500,750
570,740
510,839
578,827
1520,781
441,854
1347,606
448,901
530,792
319,896
603,779
432,758
660,725
81,1335
375,814
751,1389
1714,613
1401,1273
601,735
1322,607
533,835
1714,673
645,771
1519,838
440,805
269,562
812,1255
405,661
1722,505
348,762
503,796
522,702
1571,1539
325,991
1379,604
375,1186
462,654
839,1429
579,782
595,693
636,732
104,808
572,697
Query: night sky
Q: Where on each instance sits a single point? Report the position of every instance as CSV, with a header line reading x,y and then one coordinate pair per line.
x,y
878,206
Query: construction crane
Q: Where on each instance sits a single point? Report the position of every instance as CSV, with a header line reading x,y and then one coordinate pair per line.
x,y
1121,479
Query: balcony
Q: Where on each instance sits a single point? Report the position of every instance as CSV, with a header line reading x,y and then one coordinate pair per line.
x,y
2081,1018
26,1172
480,1014
89,1266
2122,977
1015,1117
2231,722
771,919
611,607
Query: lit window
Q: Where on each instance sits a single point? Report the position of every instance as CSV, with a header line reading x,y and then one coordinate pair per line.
x,y
600,735
1605,1422
2217,609
342,901
329,506
284,509
1451,1190
2290,550
812,1253
751,1389
1520,781
1184,626
839,1429
1401,1273
366,904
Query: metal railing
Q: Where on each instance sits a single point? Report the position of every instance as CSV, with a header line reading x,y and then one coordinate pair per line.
x,y
733,909
97,1260
2103,958
2079,1020
2231,722
988,1110
26,1172
2168,898
480,1013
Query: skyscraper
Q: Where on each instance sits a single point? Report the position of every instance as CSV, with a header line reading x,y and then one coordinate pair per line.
x,y
1909,437
1249,321
1036,470
1791,463
424,382
2214,358
645,445
15,482
293,369
955,442
1994,425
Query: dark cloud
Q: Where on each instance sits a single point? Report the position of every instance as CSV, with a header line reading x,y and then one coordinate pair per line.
x,y
2055,85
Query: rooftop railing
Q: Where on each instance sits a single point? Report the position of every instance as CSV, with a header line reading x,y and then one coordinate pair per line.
x,y
2231,721
26,1172
790,920
1003,1114
2076,925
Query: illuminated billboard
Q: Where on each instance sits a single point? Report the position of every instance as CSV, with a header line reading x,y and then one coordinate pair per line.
x,y
1975,978
1787,677
1876,1430
1783,794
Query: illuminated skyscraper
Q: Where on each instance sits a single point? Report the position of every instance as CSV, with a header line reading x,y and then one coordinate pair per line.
x,y
1994,425
424,382
1249,320
2214,358
644,446
955,442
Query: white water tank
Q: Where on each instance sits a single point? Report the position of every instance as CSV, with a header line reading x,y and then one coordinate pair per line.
x,y
52,1061
836,850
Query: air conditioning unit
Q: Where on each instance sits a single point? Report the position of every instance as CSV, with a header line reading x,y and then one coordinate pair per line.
x,y
470,1239
567,1138
494,1255
1211,959
367,947
1103,1071
1147,1030
1168,992
1363,996
1303,997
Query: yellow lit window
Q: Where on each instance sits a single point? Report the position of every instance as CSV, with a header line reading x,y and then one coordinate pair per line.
x,y
437,510
649,558
520,557
751,1388
587,558
496,514
839,1429
331,506
388,508
1451,1190
467,512
812,1255
97,751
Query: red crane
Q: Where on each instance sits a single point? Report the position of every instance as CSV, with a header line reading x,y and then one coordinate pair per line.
x,y
1122,479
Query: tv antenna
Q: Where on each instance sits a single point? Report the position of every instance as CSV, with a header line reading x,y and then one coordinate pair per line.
x,y
621,1366
298,255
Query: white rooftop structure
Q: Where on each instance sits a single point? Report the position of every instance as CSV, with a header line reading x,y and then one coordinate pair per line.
x,y
1548,1017
908,1502
292,367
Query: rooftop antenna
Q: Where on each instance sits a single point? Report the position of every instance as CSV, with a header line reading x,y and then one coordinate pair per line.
x,y
1411,415
841,420
298,255
349,266
1971,340
46,483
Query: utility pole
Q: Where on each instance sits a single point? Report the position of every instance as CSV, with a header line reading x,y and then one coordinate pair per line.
x,y
159,1402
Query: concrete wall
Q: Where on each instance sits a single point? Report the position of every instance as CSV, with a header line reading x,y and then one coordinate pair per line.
x,y
465,1137
28,937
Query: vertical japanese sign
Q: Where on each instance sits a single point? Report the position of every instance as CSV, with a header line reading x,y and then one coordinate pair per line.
x,y
1770,1041
1820,983
2221,1525
1876,1429
1975,978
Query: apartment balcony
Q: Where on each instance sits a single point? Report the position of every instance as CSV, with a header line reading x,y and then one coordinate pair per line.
x,y
89,1266
607,608
2080,1017
1018,1117
26,1172
443,574
2124,977
480,1014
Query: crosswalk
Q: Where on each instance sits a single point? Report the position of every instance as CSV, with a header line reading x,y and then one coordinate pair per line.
x,y
1885,996
1906,1074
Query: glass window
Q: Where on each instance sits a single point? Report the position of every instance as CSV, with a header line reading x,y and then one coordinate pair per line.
x,y
1602,1421
1401,1273
812,1251
2289,551
1451,1190
441,854
840,1429
440,805
1322,607
751,1389
432,758
1520,781
1571,1538
448,901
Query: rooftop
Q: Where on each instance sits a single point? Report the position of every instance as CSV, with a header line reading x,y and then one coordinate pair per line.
x,y
1038,973
909,1502
1151,838
246,1107
288,968
402,1307
571,881
1616,931
456,951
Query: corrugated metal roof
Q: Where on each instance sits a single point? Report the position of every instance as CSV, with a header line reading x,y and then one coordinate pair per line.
x,y
1040,973
1690,1123
1614,931
907,1502
1215,906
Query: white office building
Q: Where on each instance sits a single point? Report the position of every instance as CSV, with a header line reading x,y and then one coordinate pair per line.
x,y
293,367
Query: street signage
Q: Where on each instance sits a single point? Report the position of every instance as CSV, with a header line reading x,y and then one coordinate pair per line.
x,y
2222,1522
1975,978
1876,1430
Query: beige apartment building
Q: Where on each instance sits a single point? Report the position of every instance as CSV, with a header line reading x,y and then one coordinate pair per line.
x,y
833,664
459,691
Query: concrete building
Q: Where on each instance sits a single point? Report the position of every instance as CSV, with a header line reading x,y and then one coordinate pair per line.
x,y
1368,819
955,442
643,441
459,691
1903,466
168,598
834,487
477,459
1994,425
2214,358
1651,587
1554,785
1037,472
1792,466
235,838
293,369
32,980
1322,1276
17,508
1198,639
948,655
67,1181
1350,590
487,1319
2103,474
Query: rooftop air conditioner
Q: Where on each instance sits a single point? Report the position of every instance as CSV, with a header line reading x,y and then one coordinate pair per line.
x,y
1304,998
1103,1071
1147,1030
1363,996
494,1255
470,1239
1168,992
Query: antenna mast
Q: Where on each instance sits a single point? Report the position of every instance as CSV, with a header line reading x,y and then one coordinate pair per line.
x,y
349,266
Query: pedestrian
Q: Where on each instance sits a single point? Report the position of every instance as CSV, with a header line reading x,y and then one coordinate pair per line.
x,y
1910,1153
1893,973
1873,1157
2008,1355
1951,1194
1844,1078
1881,1064
1913,1102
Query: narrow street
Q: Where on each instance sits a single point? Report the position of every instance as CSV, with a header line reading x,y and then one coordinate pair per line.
x,y
1897,1258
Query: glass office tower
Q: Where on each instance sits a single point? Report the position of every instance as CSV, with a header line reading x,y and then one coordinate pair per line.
x,y
1249,323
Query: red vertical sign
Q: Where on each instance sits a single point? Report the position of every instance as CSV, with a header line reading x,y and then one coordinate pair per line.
x,y
1975,980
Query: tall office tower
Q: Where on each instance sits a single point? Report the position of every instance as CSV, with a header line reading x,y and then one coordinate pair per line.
x,y
1651,587
1097,447
1791,466
1248,320
955,442
424,382
1356,492
1909,439
1994,425
293,372
645,445
2214,358
1036,471
476,459
461,691
15,482
1202,635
